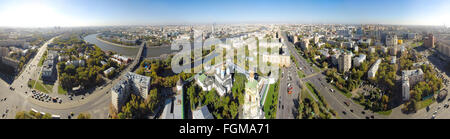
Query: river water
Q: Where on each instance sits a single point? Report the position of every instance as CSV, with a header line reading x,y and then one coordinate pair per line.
x,y
152,51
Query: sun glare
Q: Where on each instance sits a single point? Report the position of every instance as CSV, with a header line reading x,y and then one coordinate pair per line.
x,y
33,15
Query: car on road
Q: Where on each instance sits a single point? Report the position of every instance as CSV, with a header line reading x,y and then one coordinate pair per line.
x,y
345,113
332,90
433,117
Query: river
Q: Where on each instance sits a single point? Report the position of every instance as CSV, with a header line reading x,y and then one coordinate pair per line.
x,y
152,51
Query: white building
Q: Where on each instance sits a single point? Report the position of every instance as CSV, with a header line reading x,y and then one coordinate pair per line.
x,y
358,60
109,70
372,49
415,76
222,81
409,79
76,63
373,70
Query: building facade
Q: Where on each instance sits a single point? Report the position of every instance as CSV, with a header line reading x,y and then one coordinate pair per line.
x,y
373,70
130,83
357,61
345,62
429,41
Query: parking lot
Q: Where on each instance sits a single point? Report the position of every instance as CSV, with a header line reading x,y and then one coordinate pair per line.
x,y
45,97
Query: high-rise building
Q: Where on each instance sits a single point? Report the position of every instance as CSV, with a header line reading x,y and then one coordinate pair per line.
x,y
130,83
391,40
305,44
410,78
405,88
415,76
4,51
429,41
444,49
345,62
393,50
295,40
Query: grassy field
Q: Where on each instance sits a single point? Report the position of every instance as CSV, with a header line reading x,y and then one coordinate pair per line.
x,y
40,86
346,94
388,112
305,94
300,74
312,89
271,100
413,45
61,90
316,69
41,61
424,103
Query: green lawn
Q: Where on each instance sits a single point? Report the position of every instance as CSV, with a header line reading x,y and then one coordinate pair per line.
x,y
425,103
40,86
316,68
305,95
271,100
61,90
314,91
346,94
41,61
300,74
413,45
388,112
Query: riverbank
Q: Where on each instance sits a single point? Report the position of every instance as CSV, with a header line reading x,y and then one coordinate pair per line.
x,y
115,44
127,51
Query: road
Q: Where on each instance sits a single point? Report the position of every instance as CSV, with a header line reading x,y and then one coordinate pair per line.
x,y
288,103
96,104
335,100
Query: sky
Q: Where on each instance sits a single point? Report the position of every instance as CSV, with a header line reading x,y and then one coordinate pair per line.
x,y
48,13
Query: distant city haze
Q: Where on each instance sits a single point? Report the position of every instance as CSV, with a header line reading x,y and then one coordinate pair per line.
x,y
72,13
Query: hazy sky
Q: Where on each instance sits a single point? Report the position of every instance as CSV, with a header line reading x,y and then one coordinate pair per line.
x,y
41,13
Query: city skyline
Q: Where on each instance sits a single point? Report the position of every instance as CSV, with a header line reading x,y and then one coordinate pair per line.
x,y
47,13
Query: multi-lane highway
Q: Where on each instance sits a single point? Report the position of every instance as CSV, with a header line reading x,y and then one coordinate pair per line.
x,y
12,101
334,99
